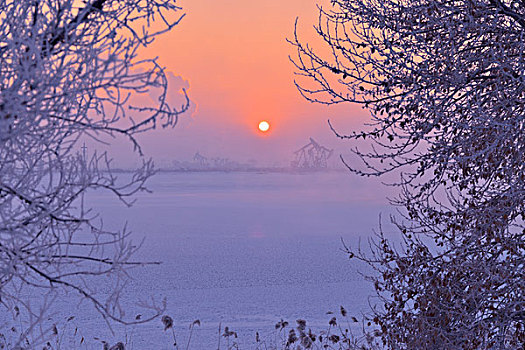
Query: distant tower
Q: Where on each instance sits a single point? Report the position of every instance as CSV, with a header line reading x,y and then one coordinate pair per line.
x,y
84,150
311,156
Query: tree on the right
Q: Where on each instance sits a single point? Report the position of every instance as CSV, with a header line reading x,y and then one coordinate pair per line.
x,y
444,82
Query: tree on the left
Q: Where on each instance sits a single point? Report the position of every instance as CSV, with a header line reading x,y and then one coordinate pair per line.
x,y
70,71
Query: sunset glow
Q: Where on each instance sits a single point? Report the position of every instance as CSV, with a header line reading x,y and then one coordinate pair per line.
x,y
237,72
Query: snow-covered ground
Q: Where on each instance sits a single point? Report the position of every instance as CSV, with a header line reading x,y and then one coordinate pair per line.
x,y
243,250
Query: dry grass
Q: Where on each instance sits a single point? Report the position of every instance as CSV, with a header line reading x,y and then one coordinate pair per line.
x,y
337,336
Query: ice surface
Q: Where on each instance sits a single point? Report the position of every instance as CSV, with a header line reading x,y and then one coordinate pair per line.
x,y
243,249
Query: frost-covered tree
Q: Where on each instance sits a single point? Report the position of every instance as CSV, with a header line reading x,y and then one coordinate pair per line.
x,y
69,71
444,82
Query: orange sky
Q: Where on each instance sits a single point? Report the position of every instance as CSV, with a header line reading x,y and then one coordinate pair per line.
x,y
234,56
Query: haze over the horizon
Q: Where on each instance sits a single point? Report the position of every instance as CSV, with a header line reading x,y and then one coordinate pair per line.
x,y
232,57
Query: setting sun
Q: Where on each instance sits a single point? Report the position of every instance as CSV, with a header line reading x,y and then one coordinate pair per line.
x,y
264,126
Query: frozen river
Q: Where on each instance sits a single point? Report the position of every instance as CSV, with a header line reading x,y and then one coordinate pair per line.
x,y
243,250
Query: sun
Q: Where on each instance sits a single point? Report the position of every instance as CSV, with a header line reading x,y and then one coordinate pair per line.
x,y
264,126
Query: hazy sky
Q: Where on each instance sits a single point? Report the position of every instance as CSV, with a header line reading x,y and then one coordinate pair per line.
x,y
232,56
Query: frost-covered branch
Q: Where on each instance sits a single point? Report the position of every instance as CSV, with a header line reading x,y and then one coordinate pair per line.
x,y
71,70
444,83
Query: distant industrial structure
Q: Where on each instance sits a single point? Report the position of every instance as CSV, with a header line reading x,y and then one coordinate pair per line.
x,y
200,162
312,156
